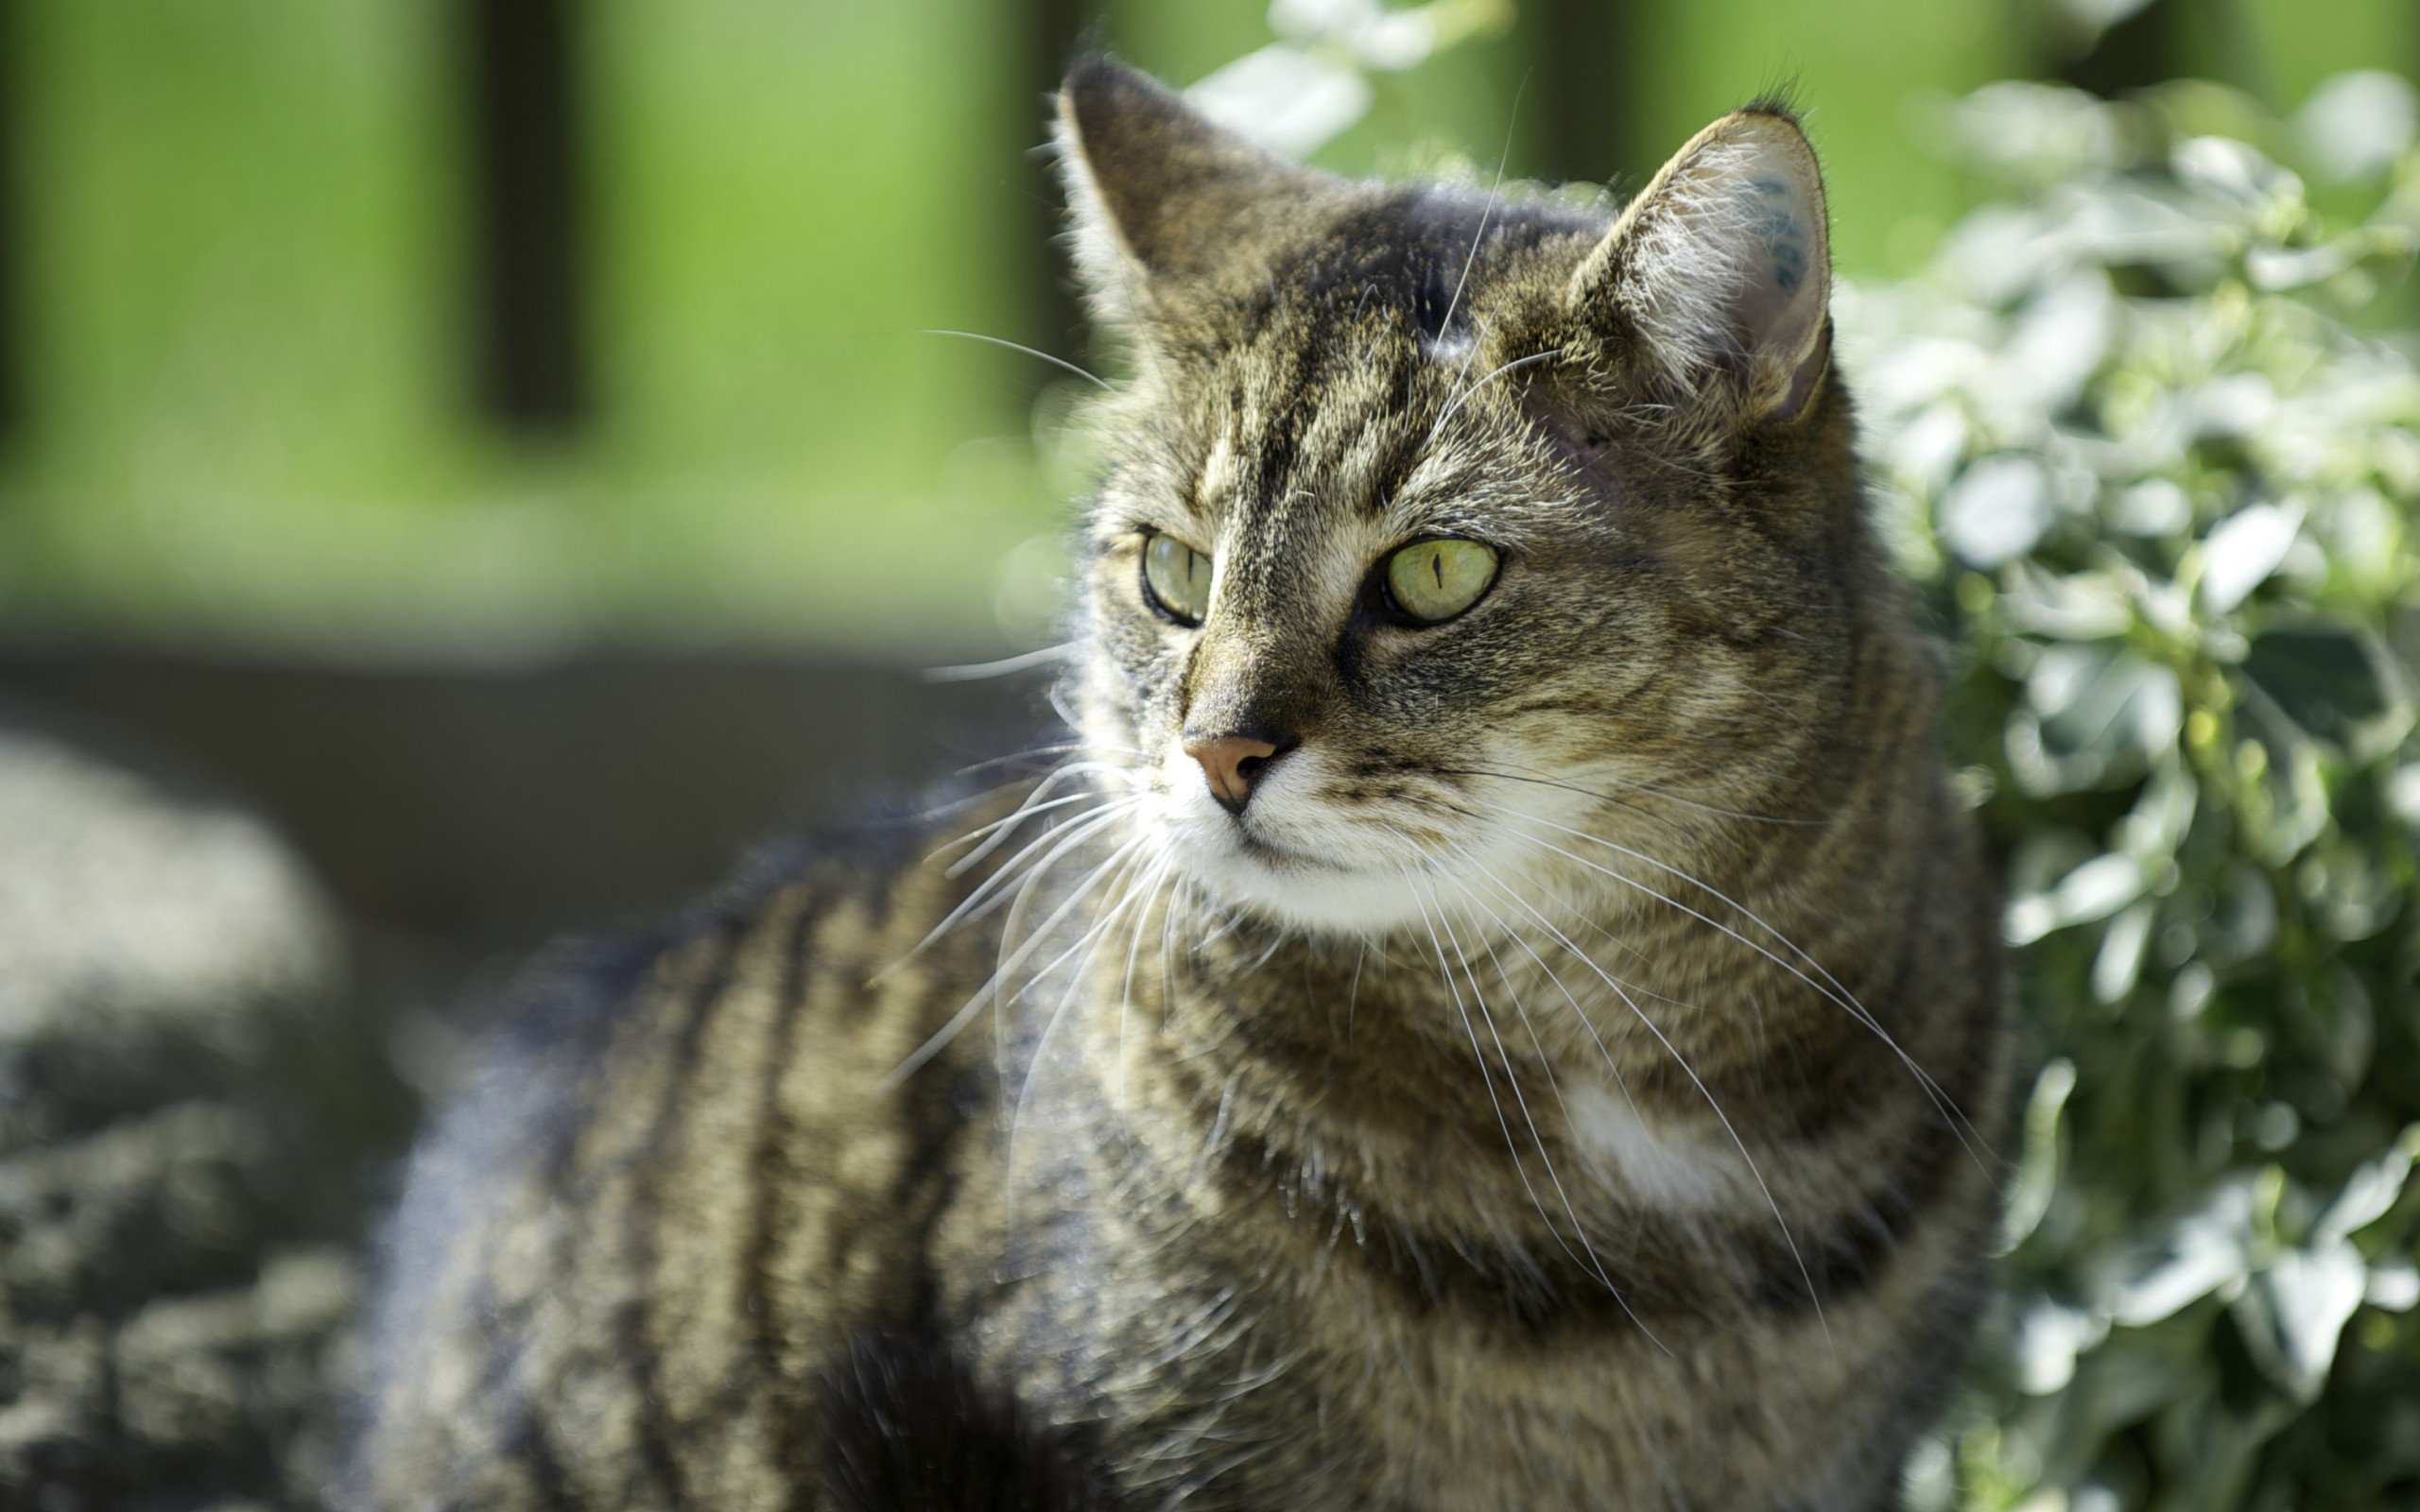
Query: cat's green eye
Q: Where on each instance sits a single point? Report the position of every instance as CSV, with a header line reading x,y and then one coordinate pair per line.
x,y
1177,577
1435,580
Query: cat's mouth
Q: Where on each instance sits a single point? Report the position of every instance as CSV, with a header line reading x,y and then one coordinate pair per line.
x,y
1259,837
1260,847
1292,854
1320,849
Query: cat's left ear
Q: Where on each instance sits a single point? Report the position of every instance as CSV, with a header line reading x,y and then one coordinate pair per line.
x,y
1721,269
1162,198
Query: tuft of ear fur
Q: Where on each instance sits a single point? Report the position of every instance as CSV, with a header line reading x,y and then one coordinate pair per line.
x,y
1722,265
1158,195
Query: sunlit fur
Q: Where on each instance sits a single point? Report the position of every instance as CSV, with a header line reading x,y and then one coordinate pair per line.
x,y
1572,1080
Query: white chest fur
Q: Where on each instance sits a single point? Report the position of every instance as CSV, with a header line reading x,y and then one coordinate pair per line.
x,y
1675,1169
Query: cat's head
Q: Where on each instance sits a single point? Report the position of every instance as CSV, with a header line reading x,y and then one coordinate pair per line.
x,y
1440,527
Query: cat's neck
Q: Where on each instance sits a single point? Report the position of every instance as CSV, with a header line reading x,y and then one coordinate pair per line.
x,y
1658,994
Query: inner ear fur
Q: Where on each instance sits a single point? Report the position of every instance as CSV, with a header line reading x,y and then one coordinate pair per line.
x,y
1721,270
1160,197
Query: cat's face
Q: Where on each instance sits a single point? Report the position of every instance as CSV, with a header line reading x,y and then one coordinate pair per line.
x,y
1421,555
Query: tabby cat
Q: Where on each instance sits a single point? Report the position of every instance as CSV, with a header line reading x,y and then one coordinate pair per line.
x,y
1500,1009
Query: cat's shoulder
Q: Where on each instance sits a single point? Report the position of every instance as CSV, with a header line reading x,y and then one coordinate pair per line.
x,y
844,891
598,1025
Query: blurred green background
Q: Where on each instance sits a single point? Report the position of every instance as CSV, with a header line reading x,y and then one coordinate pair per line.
x,y
246,246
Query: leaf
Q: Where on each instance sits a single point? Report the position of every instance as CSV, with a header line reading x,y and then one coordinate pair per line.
x,y
2395,1286
2296,1309
2037,1176
2035,133
2243,923
1997,508
2182,457
2118,963
2355,124
2323,679
2059,339
2086,606
2094,890
2208,1248
2242,550
2100,712
2049,1338
2403,795
1291,101
2234,172
2345,1022
2156,506
2158,822
2371,1192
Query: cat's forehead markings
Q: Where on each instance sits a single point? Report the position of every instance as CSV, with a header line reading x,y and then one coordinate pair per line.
x,y
1220,473
1451,348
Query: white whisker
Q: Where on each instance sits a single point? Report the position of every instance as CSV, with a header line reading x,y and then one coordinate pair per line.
x,y
1470,260
1125,855
989,992
1005,666
1088,942
1032,806
1513,1079
1462,398
1065,830
1612,1068
1019,346
997,829
1649,788
1513,1146
1960,1125
1711,1102
1158,879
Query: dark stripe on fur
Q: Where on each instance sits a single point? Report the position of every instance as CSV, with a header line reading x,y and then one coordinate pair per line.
x,y
1658,1269
910,1430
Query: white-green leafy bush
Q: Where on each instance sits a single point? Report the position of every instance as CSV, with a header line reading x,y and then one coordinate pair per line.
x,y
2144,435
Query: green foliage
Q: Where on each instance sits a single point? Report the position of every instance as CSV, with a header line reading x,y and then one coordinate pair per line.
x,y
2163,491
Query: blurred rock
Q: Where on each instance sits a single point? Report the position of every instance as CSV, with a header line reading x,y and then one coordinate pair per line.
x,y
189,1118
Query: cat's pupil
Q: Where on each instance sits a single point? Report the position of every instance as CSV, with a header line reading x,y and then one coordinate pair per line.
x,y
1176,578
1430,582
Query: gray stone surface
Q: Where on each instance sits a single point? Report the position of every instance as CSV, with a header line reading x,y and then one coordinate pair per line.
x,y
190,1114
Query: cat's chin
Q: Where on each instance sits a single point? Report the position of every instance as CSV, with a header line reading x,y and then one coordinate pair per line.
x,y
1311,855
1308,875
1308,895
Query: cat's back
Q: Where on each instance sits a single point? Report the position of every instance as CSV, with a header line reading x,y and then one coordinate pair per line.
x,y
684,1173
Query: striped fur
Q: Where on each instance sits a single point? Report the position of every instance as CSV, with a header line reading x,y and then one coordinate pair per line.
x,y
1570,1082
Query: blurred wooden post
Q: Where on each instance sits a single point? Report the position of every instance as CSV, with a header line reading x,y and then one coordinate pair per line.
x,y
1587,53
523,77
1049,33
13,335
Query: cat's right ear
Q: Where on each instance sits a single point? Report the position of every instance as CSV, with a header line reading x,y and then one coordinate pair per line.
x,y
1720,273
1161,198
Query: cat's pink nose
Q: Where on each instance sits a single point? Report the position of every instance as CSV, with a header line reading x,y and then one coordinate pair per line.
x,y
1232,762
